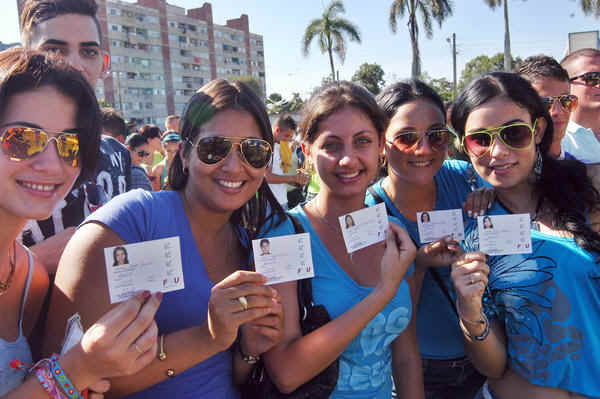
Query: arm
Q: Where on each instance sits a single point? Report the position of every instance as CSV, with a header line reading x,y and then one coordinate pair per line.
x,y
52,248
406,359
299,358
299,178
81,286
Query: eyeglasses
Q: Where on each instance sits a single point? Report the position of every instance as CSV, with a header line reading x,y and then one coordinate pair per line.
x,y
21,142
438,139
589,78
214,149
516,136
567,102
142,154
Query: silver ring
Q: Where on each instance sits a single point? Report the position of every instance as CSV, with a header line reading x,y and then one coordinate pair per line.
x,y
472,280
137,348
244,302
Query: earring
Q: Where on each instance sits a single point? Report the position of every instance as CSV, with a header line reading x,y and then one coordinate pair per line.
x,y
539,163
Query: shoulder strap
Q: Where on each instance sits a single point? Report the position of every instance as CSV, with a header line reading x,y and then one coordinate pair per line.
x,y
376,197
26,290
305,298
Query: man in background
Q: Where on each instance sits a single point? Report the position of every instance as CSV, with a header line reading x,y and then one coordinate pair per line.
x,y
172,123
113,124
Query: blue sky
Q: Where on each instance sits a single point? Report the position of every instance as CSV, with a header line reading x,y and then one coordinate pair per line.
x,y
537,26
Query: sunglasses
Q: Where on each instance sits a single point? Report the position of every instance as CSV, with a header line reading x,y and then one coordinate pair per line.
x,y
142,154
567,102
516,136
21,142
438,139
255,152
589,78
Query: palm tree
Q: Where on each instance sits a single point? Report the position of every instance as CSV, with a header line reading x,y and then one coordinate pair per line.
x,y
507,56
591,7
331,29
438,10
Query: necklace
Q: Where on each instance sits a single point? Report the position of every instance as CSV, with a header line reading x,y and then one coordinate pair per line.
x,y
322,218
4,285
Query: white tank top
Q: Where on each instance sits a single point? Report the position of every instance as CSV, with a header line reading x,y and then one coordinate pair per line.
x,y
19,349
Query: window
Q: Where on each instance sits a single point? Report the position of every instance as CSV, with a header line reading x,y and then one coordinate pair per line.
x,y
226,47
140,18
116,43
260,53
114,11
235,60
172,24
114,28
234,49
154,34
131,75
129,45
185,53
188,92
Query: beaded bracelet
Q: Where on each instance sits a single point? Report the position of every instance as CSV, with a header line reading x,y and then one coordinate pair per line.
x,y
51,376
61,377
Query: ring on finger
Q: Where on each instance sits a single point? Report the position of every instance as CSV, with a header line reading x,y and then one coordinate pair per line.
x,y
138,349
244,302
472,280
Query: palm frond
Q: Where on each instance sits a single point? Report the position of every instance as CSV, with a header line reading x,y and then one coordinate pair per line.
x,y
397,10
312,30
339,45
424,9
344,26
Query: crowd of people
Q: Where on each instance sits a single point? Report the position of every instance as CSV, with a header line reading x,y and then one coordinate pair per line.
x,y
407,318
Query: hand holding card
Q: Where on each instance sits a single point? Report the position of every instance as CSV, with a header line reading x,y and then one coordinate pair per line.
x,y
364,227
283,258
399,253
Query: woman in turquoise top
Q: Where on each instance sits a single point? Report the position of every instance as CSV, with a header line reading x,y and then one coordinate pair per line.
x,y
530,321
419,178
366,293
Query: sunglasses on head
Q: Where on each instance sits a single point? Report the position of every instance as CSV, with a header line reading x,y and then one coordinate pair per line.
x,y
516,136
589,78
142,154
255,152
438,139
22,142
567,102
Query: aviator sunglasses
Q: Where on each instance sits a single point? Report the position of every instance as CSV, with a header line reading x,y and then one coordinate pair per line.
x,y
255,152
142,154
567,102
438,139
22,142
516,136
589,78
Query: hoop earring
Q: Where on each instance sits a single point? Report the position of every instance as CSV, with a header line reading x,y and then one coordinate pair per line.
x,y
539,163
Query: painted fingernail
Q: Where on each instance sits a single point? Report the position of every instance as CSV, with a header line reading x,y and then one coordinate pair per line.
x,y
158,295
146,294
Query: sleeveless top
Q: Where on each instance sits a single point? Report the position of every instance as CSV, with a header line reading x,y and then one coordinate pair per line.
x,y
19,349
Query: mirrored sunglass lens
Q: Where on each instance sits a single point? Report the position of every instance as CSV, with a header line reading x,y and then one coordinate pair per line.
x,y
213,149
567,103
68,147
406,139
592,78
256,152
438,139
21,143
516,136
477,143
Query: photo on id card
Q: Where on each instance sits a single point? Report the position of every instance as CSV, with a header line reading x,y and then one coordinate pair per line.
x,y
364,227
283,258
434,225
504,234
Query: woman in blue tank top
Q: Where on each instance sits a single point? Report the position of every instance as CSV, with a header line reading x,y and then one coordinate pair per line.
x,y
367,293
49,136
530,321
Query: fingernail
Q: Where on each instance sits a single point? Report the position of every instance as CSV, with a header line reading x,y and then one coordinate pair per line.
x,y
274,292
146,294
158,295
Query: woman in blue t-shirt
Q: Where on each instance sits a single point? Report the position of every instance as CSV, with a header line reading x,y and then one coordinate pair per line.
x,y
420,179
219,200
530,320
366,292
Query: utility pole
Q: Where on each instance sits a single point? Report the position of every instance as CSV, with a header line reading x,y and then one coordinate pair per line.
x,y
453,44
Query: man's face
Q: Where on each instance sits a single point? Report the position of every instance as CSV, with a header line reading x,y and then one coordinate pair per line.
x,y
141,154
74,37
550,87
589,96
283,134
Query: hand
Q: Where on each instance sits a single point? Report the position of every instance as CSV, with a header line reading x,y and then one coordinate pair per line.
x,y
438,253
399,253
301,178
260,335
479,201
97,390
226,313
470,277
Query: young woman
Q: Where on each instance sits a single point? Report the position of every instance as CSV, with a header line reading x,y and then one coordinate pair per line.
x,y
49,137
214,209
530,320
420,179
367,292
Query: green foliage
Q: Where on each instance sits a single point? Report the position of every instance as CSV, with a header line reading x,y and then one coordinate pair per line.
x,y
483,64
370,76
292,105
591,7
274,97
254,83
443,87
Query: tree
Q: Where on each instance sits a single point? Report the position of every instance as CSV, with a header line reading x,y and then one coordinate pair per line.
x,y
483,64
331,31
276,104
438,10
507,56
274,97
254,83
370,76
591,7
443,87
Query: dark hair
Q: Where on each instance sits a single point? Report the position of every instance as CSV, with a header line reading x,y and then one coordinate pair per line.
x,y
285,121
331,98
264,241
135,140
542,66
150,131
113,122
569,59
36,12
574,195
217,96
115,255
400,93
22,71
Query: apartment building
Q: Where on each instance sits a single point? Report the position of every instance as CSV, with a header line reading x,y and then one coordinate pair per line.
x,y
161,54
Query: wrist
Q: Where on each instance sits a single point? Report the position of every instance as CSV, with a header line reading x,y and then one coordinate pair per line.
x,y
76,368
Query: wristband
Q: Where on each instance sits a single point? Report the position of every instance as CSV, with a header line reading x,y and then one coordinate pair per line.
x,y
62,379
481,337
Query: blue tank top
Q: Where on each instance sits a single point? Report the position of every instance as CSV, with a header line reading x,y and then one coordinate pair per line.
x,y
18,349
365,364
549,304
437,324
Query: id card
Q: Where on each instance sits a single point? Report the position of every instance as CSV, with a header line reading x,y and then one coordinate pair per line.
x,y
364,227
150,265
504,234
284,258
434,225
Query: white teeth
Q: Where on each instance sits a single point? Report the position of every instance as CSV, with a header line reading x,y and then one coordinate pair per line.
x,y
39,187
421,163
502,167
230,184
349,176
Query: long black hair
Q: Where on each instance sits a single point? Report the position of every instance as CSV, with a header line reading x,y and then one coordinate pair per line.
x,y
564,185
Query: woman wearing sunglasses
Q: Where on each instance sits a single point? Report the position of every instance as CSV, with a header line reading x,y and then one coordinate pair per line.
x,y
420,179
214,209
49,137
367,292
529,320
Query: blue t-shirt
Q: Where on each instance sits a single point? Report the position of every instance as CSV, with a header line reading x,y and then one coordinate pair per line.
x,y
549,303
365,364
141,215
437,324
